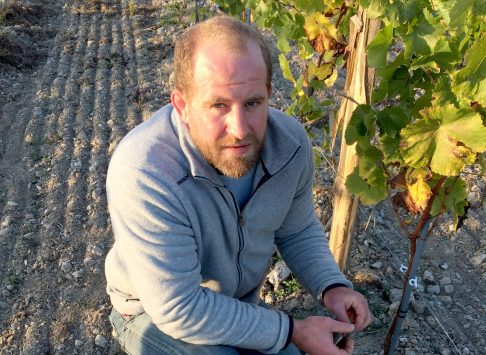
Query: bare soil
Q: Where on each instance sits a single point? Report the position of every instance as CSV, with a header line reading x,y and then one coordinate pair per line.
x,y
75,77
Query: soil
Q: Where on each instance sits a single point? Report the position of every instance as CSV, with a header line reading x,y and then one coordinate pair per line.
x,y
75,77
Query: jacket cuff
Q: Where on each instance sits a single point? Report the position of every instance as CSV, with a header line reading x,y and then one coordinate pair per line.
x,y
291,331
330,287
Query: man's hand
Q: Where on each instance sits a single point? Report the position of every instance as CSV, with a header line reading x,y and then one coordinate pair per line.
x,y
314,336
349,306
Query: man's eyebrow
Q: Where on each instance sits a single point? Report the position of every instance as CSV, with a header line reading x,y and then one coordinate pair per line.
x,y
218,99
215,100
257,98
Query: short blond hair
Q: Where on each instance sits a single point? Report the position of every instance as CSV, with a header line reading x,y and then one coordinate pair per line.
x,y
231,34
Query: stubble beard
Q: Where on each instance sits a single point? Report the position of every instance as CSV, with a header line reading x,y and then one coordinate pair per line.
x,y
235,166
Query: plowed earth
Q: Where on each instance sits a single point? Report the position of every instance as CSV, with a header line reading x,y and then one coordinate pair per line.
x,y
75,77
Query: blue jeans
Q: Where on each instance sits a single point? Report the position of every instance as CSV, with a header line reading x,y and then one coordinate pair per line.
x,y
137,335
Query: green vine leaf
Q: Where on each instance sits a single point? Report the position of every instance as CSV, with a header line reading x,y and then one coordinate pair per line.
x,y
482,163
452,197
390,146
422,35
446,139
377,49
370,189
361,125
285,66
283,45
376,8
475,58
392,120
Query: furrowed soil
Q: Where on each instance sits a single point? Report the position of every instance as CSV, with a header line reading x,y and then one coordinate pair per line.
x,y
75,77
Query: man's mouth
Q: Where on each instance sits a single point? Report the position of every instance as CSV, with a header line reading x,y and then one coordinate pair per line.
x,y
238,148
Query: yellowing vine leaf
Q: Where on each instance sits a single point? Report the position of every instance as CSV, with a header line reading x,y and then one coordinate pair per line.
x,y
446,138
322,34
418,189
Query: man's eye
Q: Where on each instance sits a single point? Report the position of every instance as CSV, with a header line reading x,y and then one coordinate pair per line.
x,y
218,105
252,103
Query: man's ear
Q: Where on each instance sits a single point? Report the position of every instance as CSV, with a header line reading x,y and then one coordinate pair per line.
x,y
179,102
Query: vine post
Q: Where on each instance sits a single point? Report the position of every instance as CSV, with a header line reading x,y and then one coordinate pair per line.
x,y
357,89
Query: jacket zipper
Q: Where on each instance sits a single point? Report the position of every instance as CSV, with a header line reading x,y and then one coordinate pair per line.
x,y
241,242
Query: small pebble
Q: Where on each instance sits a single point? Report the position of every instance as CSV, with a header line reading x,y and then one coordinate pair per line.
x,y
428,276
418,308
98,251
101,341
11,204
446,280
433,289
66,266
78,274
478,259
448,289
377,265
78,343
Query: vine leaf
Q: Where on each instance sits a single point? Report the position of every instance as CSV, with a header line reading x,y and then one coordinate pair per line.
x,y
482,163
283,45
452,197
322,72
447,138
475,59
390,147
309,6
377,49
361,126
422,35
370,189
322,34
368,180
419,190
285,66
376,8
392,120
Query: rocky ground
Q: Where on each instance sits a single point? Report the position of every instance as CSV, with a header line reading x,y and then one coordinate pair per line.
x,y
75,77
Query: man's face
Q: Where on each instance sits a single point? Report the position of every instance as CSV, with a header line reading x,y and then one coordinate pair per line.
x,y
226,111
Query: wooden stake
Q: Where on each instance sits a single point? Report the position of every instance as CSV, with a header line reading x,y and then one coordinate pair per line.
x,y
358,87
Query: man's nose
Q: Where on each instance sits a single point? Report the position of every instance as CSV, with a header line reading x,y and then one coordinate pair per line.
x,y
236,124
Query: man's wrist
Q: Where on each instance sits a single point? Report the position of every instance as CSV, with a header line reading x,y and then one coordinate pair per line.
x,y
330,287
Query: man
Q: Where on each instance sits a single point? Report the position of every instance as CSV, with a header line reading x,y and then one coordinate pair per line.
x,y
198,196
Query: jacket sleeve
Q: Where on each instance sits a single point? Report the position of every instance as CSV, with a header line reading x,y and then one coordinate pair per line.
x,y
301,239
155,246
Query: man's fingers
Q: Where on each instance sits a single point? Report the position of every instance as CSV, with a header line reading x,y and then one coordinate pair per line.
x,y
348,345
363,319
341,327
342,315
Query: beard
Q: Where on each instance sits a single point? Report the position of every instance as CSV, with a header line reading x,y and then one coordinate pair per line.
x,y
234,166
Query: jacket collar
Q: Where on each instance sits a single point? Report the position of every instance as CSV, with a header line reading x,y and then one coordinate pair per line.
x,y
278,149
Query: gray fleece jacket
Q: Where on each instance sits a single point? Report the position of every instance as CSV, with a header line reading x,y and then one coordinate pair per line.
x,y
186,255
